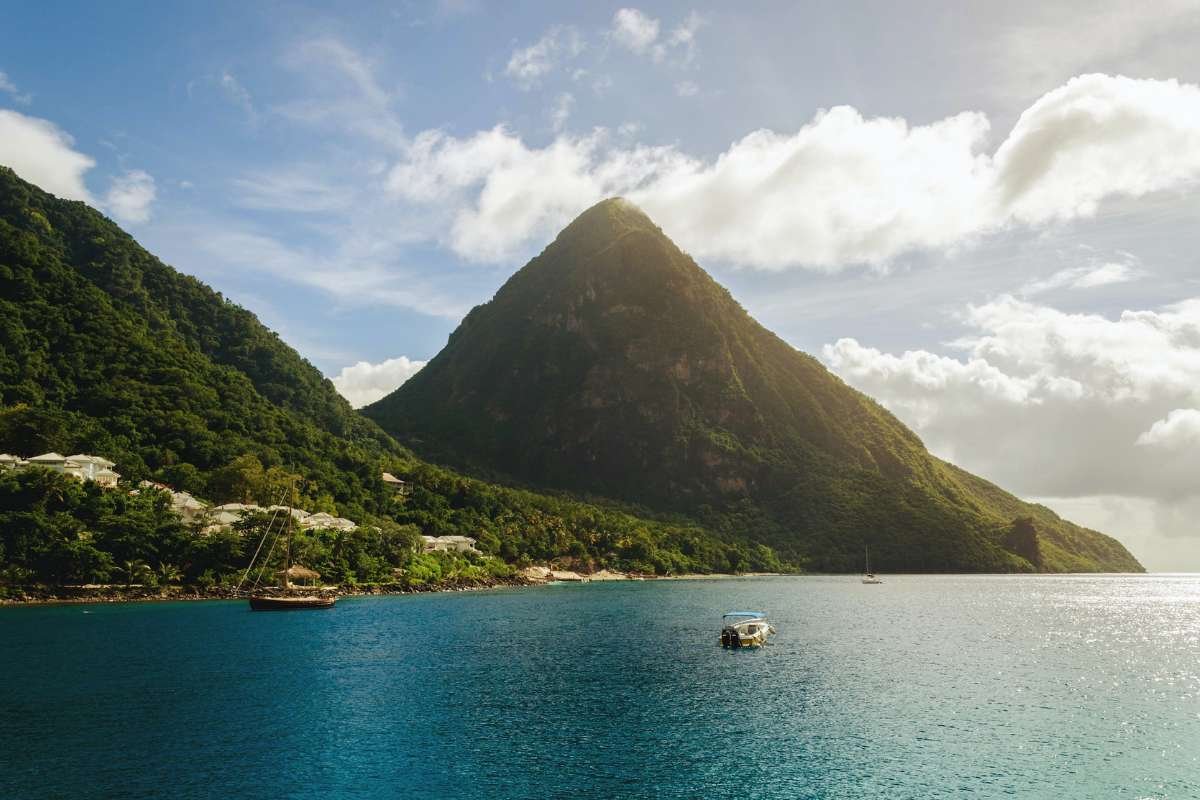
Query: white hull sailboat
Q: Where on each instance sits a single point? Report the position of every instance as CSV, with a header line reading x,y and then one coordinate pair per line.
x,y
868,576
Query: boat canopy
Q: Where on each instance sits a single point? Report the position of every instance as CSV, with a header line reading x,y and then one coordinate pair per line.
x,y
745,614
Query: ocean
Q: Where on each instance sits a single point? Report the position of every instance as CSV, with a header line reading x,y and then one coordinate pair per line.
x,y
924,687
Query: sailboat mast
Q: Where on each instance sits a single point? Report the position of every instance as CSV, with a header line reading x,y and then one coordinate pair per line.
x,y
287,558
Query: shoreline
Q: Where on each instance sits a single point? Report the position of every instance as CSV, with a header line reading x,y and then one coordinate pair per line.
x,y
530,577
527,578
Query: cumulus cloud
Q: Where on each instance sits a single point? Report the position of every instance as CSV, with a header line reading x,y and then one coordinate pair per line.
x,y
634,30
44,154
1051,403
1096,137
528,65
1097,417
364,382
1180,428
130,196
499,193
842,190
638,33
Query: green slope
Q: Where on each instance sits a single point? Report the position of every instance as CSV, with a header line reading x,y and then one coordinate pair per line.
x,y
105,349
613,364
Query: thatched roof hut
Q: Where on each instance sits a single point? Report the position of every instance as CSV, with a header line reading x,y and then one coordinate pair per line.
x,y
299,572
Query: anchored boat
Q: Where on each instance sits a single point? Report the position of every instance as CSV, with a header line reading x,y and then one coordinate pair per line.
x,y
745,629
283,598
868,576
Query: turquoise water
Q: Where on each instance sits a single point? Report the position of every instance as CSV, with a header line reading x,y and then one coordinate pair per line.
x,y
1046,687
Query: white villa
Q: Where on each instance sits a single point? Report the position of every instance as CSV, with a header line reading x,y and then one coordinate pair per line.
x,y
81,466
323,521
223,516
457,544
187,506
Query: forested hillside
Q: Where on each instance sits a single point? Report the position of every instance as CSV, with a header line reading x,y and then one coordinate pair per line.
x,y
613,364
104,349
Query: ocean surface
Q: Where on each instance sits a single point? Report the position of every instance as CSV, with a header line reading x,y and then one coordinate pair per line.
x,y
923,687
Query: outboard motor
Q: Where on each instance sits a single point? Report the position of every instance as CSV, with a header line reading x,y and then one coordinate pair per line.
x,y
734,639
725,637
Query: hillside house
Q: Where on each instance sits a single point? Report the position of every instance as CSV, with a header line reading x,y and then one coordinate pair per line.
x,y
455,544
397,485
188,507
323,521
82,466
9,461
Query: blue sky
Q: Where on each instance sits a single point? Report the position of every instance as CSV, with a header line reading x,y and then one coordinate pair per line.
x,y
983,216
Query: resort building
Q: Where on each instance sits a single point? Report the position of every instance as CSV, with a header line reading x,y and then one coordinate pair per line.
x,y
456,544
82,466
188,507
229,513
323,521
9,462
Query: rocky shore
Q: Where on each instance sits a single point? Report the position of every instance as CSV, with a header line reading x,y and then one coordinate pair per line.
x,y
143,594
529,576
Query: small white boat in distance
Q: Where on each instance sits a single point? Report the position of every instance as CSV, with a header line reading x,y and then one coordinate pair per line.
x,y
868,576
745,629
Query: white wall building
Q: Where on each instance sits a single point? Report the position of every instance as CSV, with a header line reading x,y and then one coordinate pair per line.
x,y
456,544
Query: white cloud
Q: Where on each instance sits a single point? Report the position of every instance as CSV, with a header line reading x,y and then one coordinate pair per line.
x,y
497,193
44,154
634,30
1050,403
238,94
343,92
364,382
297,189
1086,277
361,270
10,88
1096,137
528,65
1180,428
841,190
130,196
687,89
684,35
561,111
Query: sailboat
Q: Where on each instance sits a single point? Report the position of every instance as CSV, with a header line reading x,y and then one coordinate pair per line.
x,y
261,600
868,576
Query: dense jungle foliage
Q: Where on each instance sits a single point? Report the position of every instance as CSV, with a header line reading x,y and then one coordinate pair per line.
x,y
106,350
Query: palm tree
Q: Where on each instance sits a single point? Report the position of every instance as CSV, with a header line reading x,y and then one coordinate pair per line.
x,y
169,573
134,570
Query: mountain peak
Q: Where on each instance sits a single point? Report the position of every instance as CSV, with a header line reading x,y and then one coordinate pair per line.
x,y
614,365
608,220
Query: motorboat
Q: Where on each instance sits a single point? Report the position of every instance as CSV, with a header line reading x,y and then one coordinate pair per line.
x,y
745,629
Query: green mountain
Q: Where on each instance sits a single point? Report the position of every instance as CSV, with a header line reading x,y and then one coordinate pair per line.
x,y
612,364
104,349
